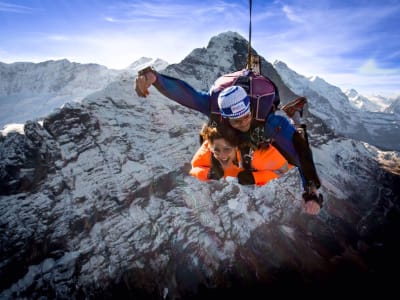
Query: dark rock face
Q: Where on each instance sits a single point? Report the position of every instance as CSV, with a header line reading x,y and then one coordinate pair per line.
x,y
96,203
26,159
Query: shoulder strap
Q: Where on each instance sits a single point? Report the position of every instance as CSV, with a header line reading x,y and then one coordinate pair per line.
x,y
246,154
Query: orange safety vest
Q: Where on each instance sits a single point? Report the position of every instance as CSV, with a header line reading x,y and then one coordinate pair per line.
x,y
267,164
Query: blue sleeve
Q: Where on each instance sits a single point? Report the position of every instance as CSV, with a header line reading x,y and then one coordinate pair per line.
x,y
278,127
280,130
181,92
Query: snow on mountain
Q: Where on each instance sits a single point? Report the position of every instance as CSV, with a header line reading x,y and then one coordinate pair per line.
x,y
330,104
211,61
374,103
29,91
141,63
96,202
213,64
383,102
394,107
363,103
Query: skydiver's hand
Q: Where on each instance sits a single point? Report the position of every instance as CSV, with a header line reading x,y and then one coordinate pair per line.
x,y
312,207
144,80
312,202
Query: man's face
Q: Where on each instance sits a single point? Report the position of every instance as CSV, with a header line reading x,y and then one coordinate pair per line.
x,y
242,124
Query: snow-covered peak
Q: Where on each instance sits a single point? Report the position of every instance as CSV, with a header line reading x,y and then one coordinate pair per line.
x,y
157,63
351,93
15,127
224,53
382,101
299,84
361,102
226,41
394,107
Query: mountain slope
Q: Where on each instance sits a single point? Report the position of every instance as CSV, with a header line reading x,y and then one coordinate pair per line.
x,y
331,105
96,203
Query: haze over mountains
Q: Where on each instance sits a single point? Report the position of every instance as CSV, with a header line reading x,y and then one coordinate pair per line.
x,y
96,200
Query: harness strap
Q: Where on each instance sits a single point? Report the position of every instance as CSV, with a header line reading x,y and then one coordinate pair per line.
x,y
246,154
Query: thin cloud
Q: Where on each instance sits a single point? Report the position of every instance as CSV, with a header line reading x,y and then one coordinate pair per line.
x,y
110,19
116,20
149,10
370,67
13,8
292,15
56,37
166,10
331,40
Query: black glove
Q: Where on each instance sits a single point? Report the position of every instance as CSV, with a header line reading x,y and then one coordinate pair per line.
x,y
246,177
216,171
313,197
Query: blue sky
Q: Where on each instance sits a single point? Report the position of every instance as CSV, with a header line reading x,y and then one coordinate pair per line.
x,y
351,44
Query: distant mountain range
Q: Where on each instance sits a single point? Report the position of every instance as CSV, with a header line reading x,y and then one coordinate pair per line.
x,y
96,201
34,90
350,115
29,91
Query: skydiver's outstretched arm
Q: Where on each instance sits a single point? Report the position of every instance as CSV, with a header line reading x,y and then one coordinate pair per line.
x,y
173,88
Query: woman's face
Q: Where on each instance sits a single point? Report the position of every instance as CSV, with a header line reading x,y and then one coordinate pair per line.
x,y
223,151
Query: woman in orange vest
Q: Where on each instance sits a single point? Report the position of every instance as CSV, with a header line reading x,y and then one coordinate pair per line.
x,y
219,157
